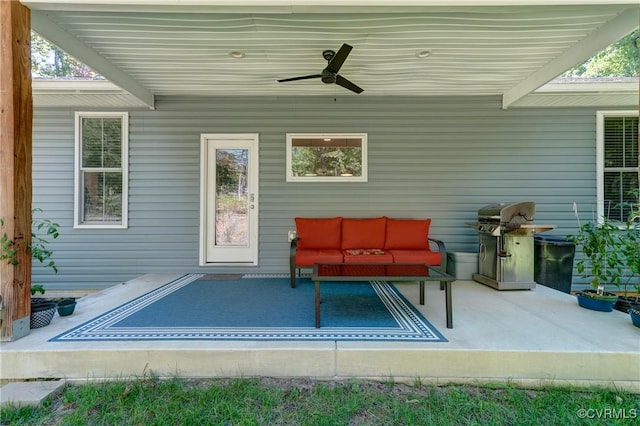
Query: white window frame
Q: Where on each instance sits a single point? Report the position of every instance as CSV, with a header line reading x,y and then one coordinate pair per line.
x,y
124,169
600,117
292,178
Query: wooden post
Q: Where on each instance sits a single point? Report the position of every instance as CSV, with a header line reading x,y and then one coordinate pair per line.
x,y
16,114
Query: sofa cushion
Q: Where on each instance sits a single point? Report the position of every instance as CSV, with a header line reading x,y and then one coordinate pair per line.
x,y
309,257
363,233
407,234
318,233
427,257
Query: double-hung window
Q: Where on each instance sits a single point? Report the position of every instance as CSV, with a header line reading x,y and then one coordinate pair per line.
x,y
101,157
617,152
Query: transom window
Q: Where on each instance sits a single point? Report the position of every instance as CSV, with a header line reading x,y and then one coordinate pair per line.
x,y
101,170
617,164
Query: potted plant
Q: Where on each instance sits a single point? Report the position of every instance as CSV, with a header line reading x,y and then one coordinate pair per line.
x,y
601,261
634,313
42,310
630,249
630,240
66,306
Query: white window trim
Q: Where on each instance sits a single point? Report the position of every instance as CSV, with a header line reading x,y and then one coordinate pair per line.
x,y
78,190
292,178
600,116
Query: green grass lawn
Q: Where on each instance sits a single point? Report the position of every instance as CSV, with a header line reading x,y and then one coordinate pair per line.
x,y
151,401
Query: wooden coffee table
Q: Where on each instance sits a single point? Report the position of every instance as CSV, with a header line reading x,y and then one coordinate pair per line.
x,y
383,271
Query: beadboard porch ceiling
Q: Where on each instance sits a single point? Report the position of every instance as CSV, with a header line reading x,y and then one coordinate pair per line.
x,y
404,47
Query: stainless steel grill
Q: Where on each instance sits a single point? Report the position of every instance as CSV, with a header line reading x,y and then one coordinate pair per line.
x,y
506,247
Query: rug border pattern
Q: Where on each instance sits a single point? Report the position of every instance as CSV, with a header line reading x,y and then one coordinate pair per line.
x,y
412,326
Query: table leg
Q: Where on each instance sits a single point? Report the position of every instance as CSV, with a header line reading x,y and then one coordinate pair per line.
x,y
317,304
447,291
422,292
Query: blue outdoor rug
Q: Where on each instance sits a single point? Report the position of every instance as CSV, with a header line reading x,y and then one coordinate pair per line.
x,y
193,307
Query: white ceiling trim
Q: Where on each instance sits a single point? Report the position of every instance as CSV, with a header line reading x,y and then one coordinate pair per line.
x,y
578,100
599,94
302,5
631,85
614,30
60,87
44,26
104,94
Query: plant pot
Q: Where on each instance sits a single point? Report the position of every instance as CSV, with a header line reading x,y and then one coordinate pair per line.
x,y
42,312
589,299
623,304
66,307
634,313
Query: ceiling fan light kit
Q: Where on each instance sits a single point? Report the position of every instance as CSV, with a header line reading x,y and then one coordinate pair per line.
x,y
330,75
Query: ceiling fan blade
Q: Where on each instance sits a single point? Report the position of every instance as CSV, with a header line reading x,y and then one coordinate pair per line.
x,y
339,58
306,77
341,81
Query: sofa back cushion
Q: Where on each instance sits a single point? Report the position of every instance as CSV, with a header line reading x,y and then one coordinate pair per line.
x,y
407,234
318,233
363,233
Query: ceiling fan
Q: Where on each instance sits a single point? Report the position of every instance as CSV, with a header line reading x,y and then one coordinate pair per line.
x,y
330,73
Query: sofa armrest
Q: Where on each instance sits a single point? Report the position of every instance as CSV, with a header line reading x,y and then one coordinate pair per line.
x,y
443,253
292,261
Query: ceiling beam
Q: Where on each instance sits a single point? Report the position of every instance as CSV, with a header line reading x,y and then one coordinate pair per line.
x,y
598,40
48,29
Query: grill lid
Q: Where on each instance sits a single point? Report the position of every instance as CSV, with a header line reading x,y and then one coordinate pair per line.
x,y
519,212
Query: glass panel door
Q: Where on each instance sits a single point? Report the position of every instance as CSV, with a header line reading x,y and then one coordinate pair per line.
x,y
229,199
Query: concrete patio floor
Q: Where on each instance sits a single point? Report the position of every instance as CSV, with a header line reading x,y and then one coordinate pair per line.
x,y
529,338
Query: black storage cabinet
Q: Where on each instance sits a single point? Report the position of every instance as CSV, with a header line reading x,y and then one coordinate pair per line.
x,y
553,263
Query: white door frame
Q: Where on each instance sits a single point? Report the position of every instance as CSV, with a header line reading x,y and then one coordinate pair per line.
x,y
207,183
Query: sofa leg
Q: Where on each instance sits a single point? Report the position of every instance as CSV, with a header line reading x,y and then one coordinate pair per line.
x,y
292,274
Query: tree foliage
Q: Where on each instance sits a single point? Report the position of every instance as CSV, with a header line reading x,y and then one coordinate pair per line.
x,y
49,61
231,171
326,161
621,59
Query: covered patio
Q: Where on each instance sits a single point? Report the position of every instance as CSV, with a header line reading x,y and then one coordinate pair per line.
x,y
529,338
457,90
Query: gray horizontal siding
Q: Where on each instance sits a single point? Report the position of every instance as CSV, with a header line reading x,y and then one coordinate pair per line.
x,y
442,158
